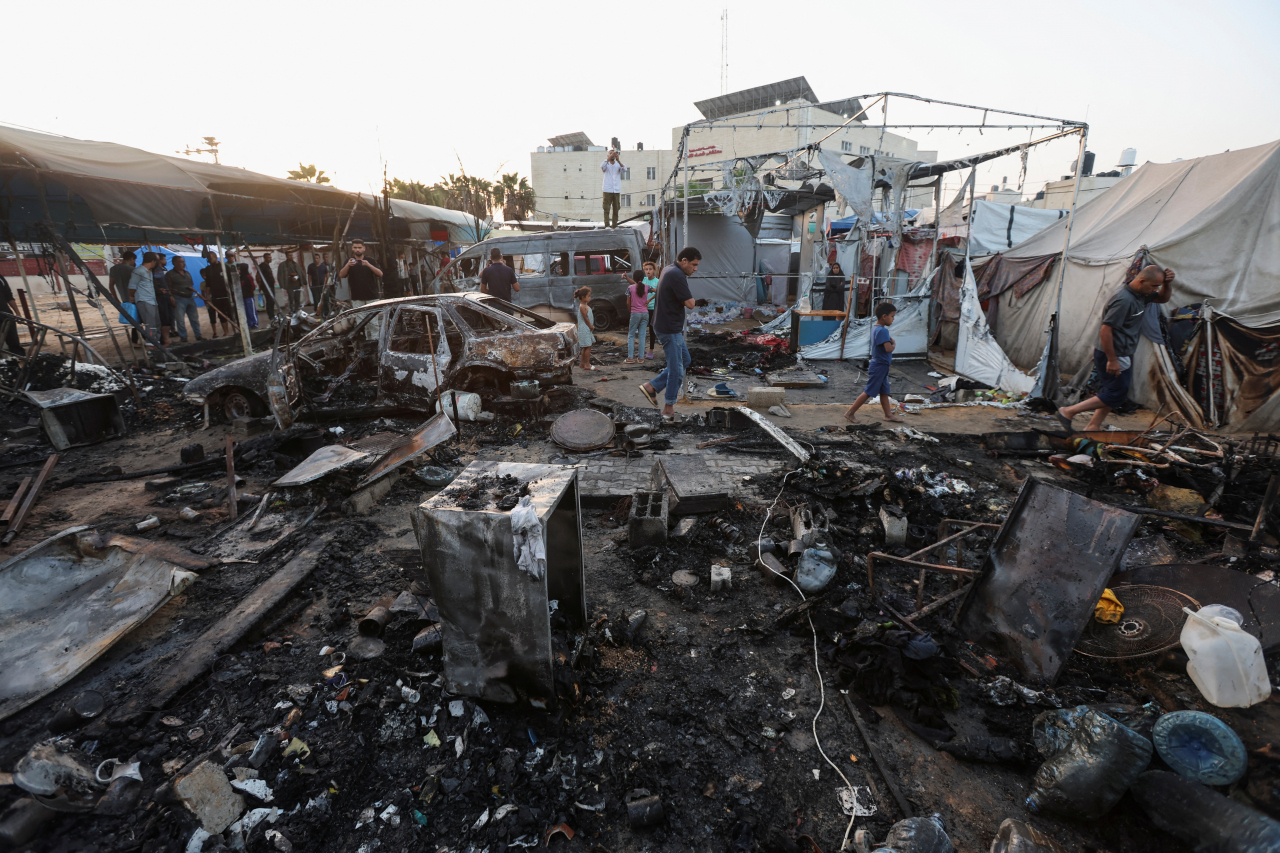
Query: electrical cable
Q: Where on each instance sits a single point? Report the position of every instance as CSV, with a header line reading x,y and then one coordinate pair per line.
x,y
822,691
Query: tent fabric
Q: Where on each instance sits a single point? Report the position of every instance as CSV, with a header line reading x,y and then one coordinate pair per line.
x,y
978,355
852,186
727,272
1213,220
910,331
999,227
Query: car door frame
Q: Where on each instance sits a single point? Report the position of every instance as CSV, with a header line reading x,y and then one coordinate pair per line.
x,y
399,373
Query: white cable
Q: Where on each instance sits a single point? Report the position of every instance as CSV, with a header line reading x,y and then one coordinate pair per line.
x,y
822,692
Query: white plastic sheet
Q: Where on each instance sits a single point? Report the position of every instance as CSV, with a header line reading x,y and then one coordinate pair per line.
x,y
978,356
531,545
999,227
910,330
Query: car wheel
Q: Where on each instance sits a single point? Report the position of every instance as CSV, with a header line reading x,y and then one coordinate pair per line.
x,y
604,315
239,403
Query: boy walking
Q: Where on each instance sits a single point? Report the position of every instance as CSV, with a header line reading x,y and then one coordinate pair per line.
x,y
882,347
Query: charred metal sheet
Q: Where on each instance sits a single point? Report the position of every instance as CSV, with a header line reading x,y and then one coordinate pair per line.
x,y
495,609
73,418
690,483
583,430
1046,570
324,461
777,434
66,601
435,431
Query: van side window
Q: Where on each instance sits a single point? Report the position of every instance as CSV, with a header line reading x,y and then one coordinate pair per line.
x,y
559,263
527,266
602,261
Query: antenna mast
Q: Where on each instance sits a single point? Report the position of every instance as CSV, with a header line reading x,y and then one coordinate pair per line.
x,y
724,51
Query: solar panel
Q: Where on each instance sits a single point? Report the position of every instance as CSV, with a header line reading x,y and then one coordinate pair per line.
x,y
756,98
571,139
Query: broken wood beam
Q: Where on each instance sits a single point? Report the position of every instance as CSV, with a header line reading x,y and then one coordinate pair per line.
x,y
15,501
16,523
877,760
231,479
223,634
1273,486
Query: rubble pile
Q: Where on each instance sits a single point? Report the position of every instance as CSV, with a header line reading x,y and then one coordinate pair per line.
x,y
840,650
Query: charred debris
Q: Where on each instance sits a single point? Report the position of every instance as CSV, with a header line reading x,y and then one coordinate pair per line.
x,y
415,630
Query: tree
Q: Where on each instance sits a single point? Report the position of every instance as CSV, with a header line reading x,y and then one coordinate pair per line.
x,y
469,194
416,191
514,195
307,174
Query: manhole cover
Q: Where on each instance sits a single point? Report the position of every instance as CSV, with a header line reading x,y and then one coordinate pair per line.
x,y
582,430
684,577
1152,622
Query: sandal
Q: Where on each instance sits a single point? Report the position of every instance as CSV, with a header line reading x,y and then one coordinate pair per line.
x,y
651,396
669,419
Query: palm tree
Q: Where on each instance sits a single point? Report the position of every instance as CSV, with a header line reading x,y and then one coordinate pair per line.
x,y
418,192
307,174
514,195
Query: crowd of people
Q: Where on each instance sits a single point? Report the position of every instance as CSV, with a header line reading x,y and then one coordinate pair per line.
x,y
161,293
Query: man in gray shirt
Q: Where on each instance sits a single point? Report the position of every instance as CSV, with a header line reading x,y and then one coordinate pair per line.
x,y
142,293
1117,341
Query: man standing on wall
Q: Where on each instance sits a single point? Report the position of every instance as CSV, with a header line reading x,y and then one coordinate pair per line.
x,y
498,279
612,168
1122,321
674,297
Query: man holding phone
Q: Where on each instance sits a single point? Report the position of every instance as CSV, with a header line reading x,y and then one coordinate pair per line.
x,y
361,275
613,169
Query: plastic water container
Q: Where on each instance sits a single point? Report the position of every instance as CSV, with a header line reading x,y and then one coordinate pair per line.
x,y
466,404
1226,661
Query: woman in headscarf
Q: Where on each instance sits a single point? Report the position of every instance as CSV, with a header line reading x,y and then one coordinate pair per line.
x,y
833,297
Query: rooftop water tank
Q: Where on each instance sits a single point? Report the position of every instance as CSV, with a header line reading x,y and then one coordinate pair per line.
x,y
542,149
1128,157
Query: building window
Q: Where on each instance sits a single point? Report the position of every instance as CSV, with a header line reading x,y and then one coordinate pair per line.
x,y
626,173
878,152
650,200
651,173
625,200
864,150
846,146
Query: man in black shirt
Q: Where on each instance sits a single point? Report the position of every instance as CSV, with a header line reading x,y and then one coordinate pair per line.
x,y
8,306
498,279
268,284
668,320
1122,321
361,275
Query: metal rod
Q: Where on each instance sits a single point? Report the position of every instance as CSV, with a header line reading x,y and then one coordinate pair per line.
x,y
1273,486
1071,218
231,479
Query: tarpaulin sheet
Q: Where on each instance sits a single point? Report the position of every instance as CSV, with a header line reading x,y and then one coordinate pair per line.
x,y
910,331
978,356
1213,220
726,273
852,186
998,227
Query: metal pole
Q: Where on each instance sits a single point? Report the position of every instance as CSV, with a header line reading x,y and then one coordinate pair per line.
x,y
231,276
684,153
1071,221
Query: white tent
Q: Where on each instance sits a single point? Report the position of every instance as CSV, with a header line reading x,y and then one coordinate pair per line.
x,y
1213,220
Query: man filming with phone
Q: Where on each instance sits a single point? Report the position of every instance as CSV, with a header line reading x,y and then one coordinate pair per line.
x,y
361,275
613,169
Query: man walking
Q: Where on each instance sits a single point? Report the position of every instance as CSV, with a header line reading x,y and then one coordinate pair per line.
x,y
142,293
668,314
1122,321
498,279
612,168
183,290
268,286
289,274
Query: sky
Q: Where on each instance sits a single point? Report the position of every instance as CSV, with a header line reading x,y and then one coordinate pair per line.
x,y
428,89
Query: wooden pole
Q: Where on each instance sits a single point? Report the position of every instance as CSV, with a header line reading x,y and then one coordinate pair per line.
x,y
15,526
231,480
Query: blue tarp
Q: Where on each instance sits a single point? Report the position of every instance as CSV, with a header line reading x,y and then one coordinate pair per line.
x,y
839,226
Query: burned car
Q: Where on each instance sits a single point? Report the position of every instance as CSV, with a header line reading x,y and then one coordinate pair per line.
x,y
396,352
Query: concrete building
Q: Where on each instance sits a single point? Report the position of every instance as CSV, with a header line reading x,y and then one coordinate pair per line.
x,y
1056,195
566,174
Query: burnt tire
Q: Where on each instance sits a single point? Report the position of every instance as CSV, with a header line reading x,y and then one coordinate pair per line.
x,y
242,403
605,316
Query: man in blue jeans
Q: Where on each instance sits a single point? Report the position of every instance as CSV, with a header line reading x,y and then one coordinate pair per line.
x,y
668,320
